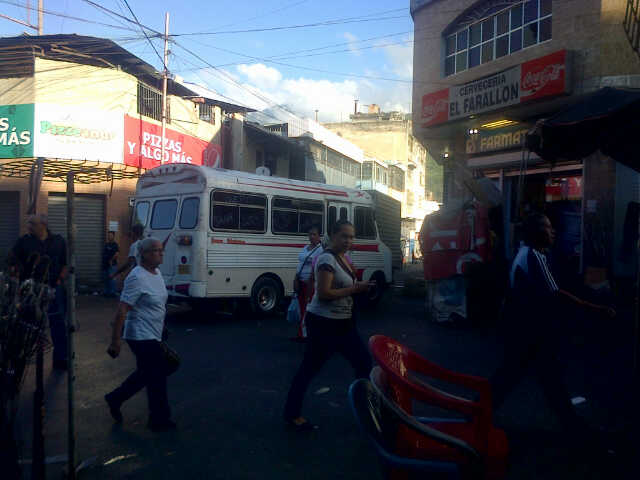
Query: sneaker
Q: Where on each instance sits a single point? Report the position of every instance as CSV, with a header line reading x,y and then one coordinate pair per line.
x,y
114,409
163,426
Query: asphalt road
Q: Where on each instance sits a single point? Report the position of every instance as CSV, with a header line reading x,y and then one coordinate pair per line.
x,y
227,400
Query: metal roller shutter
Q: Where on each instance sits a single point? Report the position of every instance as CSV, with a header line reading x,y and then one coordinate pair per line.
x,y
9,223
89,212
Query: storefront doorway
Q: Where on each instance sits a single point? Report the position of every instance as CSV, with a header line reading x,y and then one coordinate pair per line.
x,y
560,196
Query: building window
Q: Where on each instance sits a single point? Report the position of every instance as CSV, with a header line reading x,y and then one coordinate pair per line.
x,y
296,217
239,212
208,113
150,103
522,25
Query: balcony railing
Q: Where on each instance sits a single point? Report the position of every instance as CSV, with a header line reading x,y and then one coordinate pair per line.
x,y
632,24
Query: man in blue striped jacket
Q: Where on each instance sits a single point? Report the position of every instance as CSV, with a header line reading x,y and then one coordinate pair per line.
x,y
530,324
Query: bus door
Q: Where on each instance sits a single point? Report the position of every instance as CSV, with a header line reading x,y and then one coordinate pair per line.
x,y
162,226
337,211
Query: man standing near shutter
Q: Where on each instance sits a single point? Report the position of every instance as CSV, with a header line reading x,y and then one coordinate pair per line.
x,y
40,241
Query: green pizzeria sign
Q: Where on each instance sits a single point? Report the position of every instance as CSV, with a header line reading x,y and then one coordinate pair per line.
x,y
16,131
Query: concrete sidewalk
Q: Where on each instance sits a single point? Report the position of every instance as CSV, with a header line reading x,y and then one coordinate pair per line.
x,y
228,397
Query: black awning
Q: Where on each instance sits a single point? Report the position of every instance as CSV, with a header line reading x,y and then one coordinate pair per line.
x,y
607,120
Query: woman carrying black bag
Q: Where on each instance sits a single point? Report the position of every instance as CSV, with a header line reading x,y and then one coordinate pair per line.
x,y
143,305
329,322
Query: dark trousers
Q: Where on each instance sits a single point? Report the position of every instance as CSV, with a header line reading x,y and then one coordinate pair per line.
x,y
533,352
326,337
151,372
57,323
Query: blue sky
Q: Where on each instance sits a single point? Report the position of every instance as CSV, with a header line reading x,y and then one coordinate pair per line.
x,y
370,38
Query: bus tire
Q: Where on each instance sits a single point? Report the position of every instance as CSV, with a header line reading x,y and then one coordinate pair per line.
x,y
266,296
375,294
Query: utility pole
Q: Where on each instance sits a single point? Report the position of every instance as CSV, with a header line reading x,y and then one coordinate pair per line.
x,y
40,17
165,75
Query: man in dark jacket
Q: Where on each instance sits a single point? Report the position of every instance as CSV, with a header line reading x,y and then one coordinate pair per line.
x,y
41,242
530,325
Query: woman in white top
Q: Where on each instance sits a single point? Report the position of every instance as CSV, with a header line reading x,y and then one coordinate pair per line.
x,y
329,322
142,303
302,285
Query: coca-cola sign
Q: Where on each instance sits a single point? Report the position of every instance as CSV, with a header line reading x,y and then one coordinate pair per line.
x,y
435,107
542,77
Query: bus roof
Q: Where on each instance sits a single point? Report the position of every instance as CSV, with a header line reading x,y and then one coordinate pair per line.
x,y
186,178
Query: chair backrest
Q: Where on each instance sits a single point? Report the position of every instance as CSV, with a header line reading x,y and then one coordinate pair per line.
x,y
380,420
401,364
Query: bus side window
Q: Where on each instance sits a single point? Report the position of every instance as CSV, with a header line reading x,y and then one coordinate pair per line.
x,y
343,213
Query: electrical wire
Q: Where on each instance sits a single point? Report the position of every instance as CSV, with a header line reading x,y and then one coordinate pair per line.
x,y
164,65
291,27
70,17
285,7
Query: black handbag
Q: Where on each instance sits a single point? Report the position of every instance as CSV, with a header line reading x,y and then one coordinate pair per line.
x,y
171,358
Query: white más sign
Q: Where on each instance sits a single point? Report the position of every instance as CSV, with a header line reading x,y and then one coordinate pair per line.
x,y
78,133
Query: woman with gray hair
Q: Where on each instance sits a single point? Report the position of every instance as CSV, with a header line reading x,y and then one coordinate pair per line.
x,y
142,311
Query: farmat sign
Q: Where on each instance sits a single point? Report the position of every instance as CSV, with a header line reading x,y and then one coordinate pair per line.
x,y
542,77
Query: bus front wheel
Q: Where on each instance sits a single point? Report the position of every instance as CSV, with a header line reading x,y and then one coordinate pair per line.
x,y
266,295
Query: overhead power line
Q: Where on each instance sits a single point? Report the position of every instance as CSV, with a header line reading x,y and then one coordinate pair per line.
x,y
70,17
292,27
271,12
164,65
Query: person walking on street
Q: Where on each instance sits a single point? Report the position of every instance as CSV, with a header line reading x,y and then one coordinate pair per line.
x,y
302,285
109,264
329,322
41,241
133,258
531,325
142,312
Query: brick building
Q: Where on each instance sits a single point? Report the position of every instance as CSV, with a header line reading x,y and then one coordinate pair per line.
x,y
87,102
486,71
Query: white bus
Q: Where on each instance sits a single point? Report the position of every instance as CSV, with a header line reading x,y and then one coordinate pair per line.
x,y
230,234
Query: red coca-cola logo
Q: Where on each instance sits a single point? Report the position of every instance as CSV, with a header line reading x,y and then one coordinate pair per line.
x,y
534,81
432,110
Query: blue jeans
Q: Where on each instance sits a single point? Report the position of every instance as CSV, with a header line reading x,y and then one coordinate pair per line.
x,y
57,324
109,283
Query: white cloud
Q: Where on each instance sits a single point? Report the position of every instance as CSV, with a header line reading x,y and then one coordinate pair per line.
x,y
352,39
260,74
401,58
261,86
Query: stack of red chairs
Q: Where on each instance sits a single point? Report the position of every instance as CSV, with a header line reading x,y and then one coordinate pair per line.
x,y
397,376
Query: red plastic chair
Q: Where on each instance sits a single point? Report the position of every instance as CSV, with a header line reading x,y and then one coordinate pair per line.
x,y
400,383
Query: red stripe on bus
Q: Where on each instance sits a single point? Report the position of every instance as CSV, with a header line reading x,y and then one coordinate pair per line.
x,y
365,248
355,248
